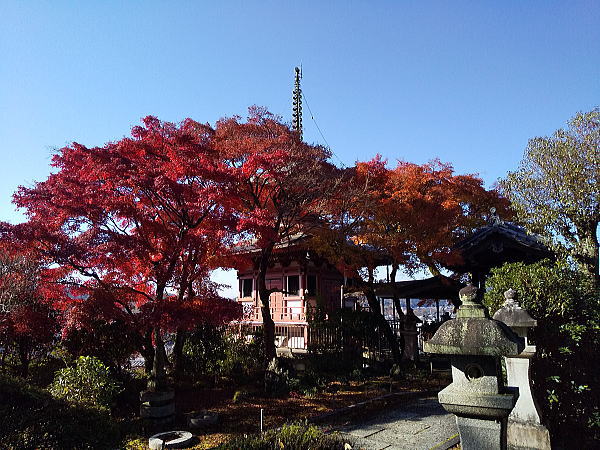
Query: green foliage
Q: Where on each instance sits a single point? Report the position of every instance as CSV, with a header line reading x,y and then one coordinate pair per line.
x,y
566,380
41,371
545,289
204,347
242,358
112,342
240,396
32,418
279,377
215,351
308,383
556,189
295,436
87,382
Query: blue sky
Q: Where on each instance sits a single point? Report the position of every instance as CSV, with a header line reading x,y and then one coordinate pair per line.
x,y
466,82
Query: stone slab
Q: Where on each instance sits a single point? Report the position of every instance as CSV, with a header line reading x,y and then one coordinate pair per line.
x,y
477,434
170,439
527,436
418,424
147,411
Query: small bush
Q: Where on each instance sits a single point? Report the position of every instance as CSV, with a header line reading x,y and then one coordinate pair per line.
x,y
112,342
295,436
214,351
564,371
277,377
240,396
88,383
32,418
308,384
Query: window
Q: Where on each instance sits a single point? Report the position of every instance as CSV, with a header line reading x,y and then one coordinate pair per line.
x,y
311,285
293,285
246,287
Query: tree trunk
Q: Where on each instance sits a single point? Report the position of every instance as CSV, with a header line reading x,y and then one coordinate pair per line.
x,y
180,337
158,378
264,294
396,300
375,308
24,358
147,352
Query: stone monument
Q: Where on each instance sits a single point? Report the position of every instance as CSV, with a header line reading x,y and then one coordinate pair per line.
x,y
476,395
158,401
410,334
525,429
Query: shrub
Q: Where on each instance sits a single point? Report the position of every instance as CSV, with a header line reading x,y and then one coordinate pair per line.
x,y
88,382
240,396
295,436
32,418
214,351
112,342
565,378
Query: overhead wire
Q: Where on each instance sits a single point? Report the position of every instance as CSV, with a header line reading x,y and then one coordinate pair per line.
x,y
312,116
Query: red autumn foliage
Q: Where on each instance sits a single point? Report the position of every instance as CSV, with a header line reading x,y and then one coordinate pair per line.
x,y
279,187
28,293
409,216
139,223
417,212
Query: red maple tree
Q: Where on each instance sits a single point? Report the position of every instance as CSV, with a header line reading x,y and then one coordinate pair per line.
x,y
139,222
280,186
408,217
28,294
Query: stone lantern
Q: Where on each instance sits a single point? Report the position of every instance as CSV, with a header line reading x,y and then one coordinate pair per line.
x,y
524,426
476,395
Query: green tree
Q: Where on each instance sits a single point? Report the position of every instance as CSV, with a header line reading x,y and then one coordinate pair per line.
x,y
88,382
556,189
566,380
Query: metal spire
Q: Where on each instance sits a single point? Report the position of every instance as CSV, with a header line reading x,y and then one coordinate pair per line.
x,y
297,103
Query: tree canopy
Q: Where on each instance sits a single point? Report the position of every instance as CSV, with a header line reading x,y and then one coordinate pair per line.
x,y
28,296
408,216
556,189
279,187
138,222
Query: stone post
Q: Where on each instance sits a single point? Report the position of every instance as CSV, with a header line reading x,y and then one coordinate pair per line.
x,y
411,335
525,429
476,395
158,401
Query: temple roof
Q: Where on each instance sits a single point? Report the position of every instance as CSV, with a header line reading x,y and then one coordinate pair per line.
x,y
293,240
496,244
439,287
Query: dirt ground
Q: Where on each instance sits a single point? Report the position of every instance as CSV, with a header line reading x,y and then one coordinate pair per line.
x,y
243,416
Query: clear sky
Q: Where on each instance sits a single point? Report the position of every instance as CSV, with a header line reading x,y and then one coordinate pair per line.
x,y
466,82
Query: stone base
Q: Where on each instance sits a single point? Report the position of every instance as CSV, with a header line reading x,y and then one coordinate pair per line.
x,y
157,406
476,404
170,439
522,436
202,419
477,434
148,411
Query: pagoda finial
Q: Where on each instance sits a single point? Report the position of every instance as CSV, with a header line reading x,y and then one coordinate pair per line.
x,y
297,103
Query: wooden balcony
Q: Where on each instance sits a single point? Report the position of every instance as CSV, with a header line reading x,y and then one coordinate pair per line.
x,y
278,314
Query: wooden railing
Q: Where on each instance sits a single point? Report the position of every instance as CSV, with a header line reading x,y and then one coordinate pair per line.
x,y
282,314
330,338
289,336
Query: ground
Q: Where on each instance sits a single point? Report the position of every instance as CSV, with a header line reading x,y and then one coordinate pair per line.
x,y
243,416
